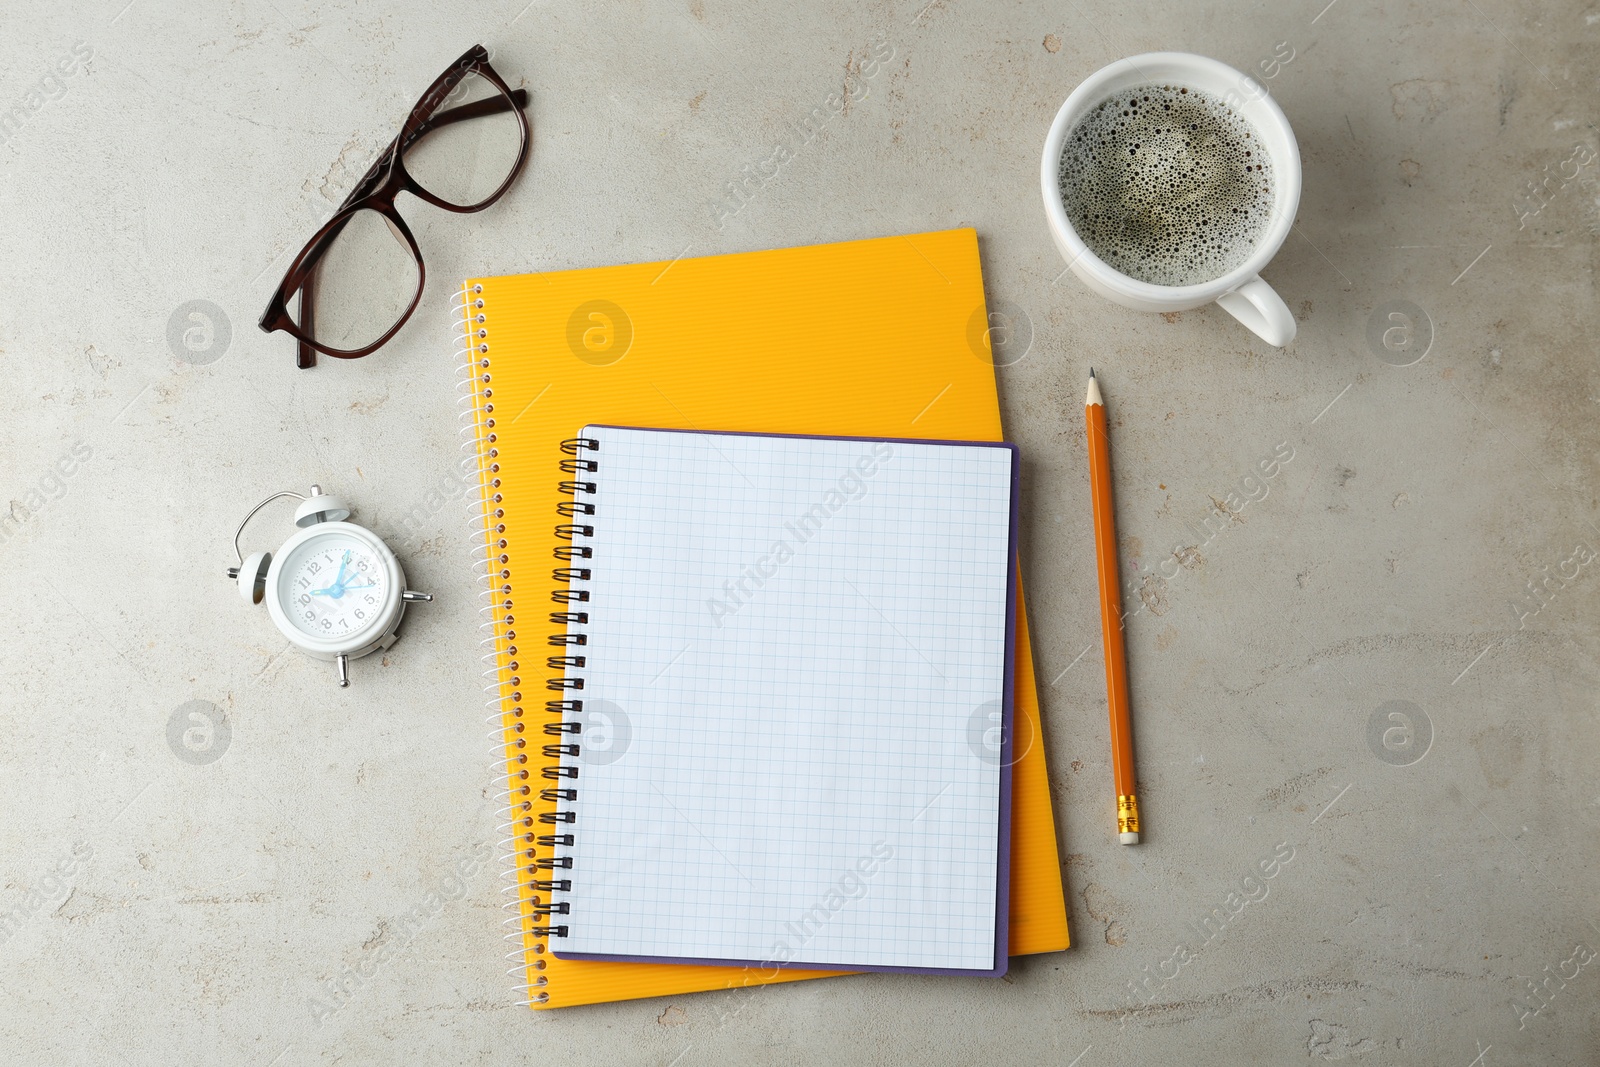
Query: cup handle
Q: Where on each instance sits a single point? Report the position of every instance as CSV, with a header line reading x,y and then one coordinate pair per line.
x,y
1258,306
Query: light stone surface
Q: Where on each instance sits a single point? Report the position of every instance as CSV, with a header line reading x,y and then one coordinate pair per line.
x,y
214,895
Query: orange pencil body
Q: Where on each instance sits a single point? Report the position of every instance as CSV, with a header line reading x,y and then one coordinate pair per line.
x,y
1105,546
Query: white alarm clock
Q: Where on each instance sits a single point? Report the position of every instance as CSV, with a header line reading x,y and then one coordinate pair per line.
x,y
334,589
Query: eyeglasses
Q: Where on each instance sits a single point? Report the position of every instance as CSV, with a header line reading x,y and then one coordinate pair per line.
x,y
360,277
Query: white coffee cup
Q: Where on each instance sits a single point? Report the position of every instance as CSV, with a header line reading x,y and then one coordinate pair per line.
x,y
1240,292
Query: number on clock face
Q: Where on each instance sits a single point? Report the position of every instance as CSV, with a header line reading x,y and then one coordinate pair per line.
x,y
334,588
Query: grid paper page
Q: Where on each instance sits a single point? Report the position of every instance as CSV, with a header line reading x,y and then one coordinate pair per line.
x,y
795,663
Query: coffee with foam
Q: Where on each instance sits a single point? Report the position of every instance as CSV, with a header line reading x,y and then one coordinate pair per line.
x,y
1167,184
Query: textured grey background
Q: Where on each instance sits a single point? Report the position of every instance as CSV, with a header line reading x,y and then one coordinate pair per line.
x,y
192,900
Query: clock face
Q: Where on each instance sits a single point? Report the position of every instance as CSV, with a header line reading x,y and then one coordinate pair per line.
x,y
333,587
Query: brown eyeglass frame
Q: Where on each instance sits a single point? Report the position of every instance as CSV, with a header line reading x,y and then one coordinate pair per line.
x,y
377,190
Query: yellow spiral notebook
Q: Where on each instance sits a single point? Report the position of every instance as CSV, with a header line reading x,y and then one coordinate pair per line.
x,y
876,338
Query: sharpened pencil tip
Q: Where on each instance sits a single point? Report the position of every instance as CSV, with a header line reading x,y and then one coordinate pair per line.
x,y
1091,372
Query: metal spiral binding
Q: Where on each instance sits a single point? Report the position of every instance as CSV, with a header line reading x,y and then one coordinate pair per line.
x,y
564,731
524,854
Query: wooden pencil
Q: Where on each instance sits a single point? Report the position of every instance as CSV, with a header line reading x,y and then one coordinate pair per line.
x,y
1105,547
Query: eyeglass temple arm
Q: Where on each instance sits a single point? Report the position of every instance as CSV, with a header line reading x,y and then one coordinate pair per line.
x,y
306,356
476,110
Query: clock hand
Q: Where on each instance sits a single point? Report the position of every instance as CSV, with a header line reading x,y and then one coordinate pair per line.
x,y
336,587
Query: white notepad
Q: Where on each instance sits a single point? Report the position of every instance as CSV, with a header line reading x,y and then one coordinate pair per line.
x,y
795,666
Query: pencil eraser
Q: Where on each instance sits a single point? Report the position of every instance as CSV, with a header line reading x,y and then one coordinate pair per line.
x,y
1130,839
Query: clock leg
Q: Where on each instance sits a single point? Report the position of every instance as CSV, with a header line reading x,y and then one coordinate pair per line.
x,y
342,664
